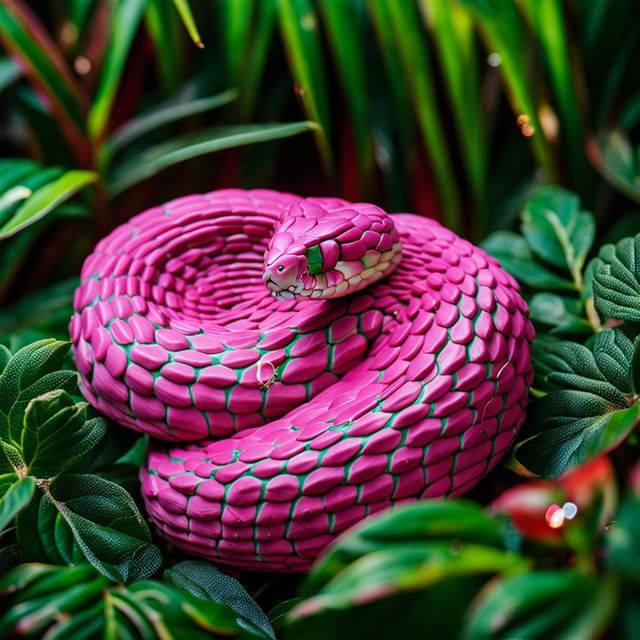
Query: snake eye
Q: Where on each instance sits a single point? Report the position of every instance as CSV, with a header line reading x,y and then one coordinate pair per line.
x,y
280,268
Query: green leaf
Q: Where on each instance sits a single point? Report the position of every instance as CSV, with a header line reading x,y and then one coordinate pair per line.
x,y
76,603
104,523
31,372
562,313
587,411
25,37
623,555
417,69
57,433
204,581
14,499
616,285
300,35
413,525
346,38
9,73
513,253
156,159
158,117
124,25
542,604
184,10
616,161
557,231
45,199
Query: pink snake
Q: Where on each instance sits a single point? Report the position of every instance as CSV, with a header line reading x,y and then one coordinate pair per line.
x,y
294,416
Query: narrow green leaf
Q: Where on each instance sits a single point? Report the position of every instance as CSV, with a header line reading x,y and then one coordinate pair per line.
x,y
184,10
46,199
125,23
14,500
154,160
9,73
503,29
166,34
452,30
24,36
158,117
346,37
300,33
417,69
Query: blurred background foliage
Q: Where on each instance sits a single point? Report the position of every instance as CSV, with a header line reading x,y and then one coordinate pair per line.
x,y
456,110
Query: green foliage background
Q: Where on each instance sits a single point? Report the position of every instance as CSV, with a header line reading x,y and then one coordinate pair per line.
x,y
515,123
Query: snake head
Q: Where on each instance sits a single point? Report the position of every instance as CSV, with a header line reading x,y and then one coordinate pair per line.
x,y
283,274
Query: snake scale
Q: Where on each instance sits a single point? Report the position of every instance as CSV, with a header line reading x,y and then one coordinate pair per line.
x,y
310,362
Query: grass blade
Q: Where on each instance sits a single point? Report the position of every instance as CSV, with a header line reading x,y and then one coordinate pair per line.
x,y
547,20
300,33
45,199
26,39
184,11
416,67
125,23
452,29
164,115
503,30
165,32
345,35
9,73
154,160
249,82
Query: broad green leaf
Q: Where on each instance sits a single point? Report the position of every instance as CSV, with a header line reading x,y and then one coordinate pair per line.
x,y
104,523
38,204
25,37
619,164
31,372
589,409
57,433
300,35
204,581
542,604
158,117
557,231
124,26
278,615
515,256
14,499
154,160
616,283
184,10
421,523
11,556
562,313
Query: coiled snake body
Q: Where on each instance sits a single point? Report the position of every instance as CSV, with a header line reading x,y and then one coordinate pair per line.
x,y
294,416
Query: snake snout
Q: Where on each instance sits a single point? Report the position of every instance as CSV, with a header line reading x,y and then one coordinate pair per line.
x,y
282,276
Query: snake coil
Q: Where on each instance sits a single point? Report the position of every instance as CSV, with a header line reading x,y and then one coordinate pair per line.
x,y
295,415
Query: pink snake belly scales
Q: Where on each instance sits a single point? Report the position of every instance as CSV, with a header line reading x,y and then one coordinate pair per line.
x,y
289,421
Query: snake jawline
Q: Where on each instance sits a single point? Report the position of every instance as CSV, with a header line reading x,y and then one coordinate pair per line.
x,y
318,412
